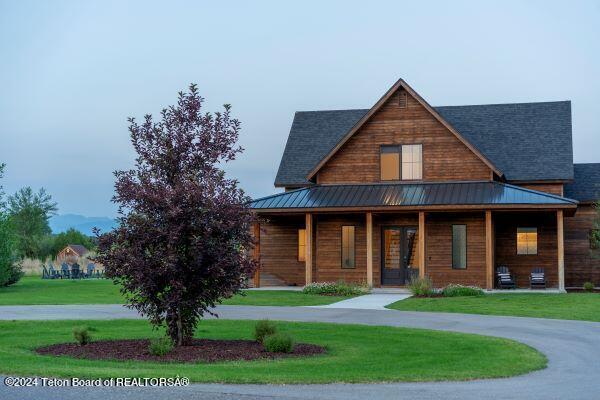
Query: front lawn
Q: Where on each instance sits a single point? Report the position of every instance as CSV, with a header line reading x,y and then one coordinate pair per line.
x,y
576,306
34,290
355,353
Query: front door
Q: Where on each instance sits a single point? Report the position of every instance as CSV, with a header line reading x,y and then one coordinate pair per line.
x,y
398,254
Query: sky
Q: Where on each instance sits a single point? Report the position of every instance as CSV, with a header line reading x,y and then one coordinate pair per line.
x,y
71,72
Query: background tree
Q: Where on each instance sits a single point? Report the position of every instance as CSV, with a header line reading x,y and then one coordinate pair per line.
x,y
29,213
184,228
10,272
595,232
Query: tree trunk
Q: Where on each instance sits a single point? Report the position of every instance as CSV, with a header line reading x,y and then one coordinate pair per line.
x,y
179,329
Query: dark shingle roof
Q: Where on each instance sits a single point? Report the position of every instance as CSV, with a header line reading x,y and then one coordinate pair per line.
x,y
586,184
312,136
79,249
409,195
526,141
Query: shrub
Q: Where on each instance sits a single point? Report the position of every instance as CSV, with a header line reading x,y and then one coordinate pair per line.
x,y
263,329
160,347
279,343
10,270
422,287
335,289
453,290
82,335
588,286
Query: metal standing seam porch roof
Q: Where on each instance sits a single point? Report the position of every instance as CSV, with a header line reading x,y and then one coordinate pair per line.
x,y
411,195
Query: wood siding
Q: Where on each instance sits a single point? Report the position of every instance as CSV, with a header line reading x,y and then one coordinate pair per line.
x,y
581,263
279,249
438,242
329,248
521,265
445,157
552,188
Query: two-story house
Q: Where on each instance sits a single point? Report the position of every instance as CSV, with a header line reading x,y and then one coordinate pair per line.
x,y
402,189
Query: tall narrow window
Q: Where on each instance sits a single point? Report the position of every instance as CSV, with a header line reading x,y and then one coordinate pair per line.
x,y
527,241
459,246
412,162
347,247
301,244
390,163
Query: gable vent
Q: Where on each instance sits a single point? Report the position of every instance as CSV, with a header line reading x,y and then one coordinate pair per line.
x,y
402,99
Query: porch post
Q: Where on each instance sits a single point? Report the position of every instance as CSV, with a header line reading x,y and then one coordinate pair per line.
x,y
561,250
369,249
257,254
489,251
421,244
308,249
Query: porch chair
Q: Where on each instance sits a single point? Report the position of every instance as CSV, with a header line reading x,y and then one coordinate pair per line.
x,y
75,271
54,274
64,270
90,270
537,278
504,279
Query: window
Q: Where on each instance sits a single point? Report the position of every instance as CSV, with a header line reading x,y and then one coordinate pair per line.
x,y
412,165
301,244
347,247
459,246
526,241
390,163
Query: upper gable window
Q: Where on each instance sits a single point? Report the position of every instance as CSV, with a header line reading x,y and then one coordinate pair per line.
x,y
389,163
412,162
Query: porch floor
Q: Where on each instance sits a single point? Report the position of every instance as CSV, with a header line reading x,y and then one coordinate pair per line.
x,y
540,291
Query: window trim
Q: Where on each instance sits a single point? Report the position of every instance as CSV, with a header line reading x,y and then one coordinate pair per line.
x,y
536,241
342,247
303,259
421,163
466,247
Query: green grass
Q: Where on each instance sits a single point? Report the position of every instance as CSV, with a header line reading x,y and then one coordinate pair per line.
x,y
355,353
575,306
34,290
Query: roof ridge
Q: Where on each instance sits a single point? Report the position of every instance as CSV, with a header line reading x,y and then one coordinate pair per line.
x,y
506,104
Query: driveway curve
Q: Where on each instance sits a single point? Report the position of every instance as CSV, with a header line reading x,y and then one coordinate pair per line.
x,y
572,348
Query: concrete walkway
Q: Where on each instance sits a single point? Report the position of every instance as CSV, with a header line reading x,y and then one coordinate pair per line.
x,y
373,301
572,348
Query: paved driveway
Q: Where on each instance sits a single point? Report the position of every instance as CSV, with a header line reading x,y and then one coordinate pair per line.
x,y
572,348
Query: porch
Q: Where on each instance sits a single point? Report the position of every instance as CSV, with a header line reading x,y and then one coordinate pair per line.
x,y
388,248
382,234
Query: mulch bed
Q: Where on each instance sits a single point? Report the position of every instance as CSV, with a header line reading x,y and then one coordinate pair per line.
x,y
200,350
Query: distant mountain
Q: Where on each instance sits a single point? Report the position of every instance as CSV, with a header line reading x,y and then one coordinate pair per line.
x,y
61,223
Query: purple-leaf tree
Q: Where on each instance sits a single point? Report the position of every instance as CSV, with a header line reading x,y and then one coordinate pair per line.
x,y
184,236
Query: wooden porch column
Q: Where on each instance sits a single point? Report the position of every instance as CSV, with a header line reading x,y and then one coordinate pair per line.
x,y
489,251
561,249
308,249
370,249
257,254
422,257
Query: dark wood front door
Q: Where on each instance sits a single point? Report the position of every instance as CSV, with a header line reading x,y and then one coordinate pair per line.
x,y
398,248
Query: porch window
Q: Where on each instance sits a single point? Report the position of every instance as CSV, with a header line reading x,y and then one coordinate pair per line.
x,y
347,246
459,246
527,239
412,162
301,244
389,163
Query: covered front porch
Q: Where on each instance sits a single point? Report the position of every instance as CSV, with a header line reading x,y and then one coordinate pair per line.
x,y
386,245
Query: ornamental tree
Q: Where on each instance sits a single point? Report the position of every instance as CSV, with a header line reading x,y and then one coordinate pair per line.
x,y
184,237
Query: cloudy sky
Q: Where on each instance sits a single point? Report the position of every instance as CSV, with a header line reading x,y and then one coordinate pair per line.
x,y
71,72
